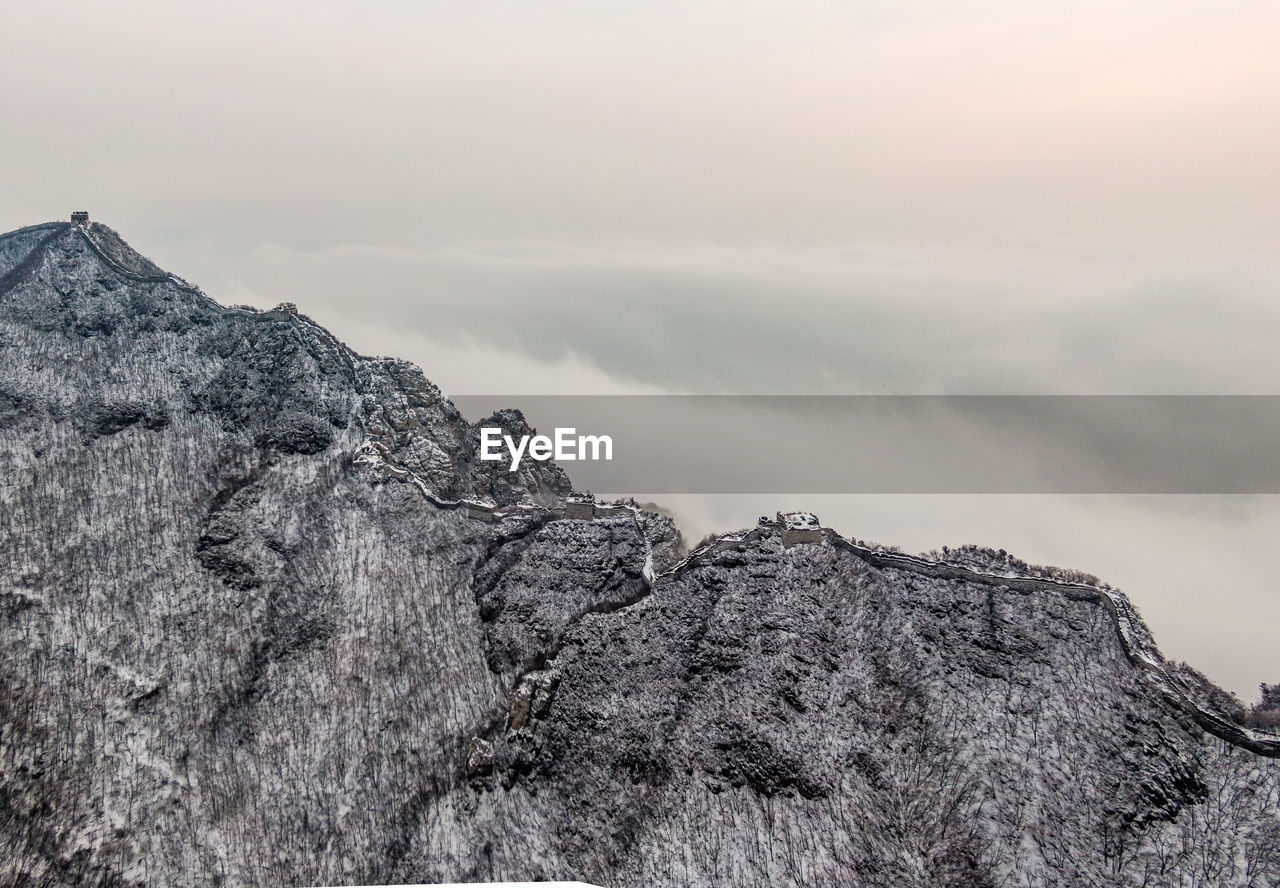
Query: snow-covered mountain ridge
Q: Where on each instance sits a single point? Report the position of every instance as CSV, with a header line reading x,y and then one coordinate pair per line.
x,y
1191,693
265,619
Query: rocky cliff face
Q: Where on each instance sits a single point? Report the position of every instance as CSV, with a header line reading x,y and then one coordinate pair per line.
x,y
252,633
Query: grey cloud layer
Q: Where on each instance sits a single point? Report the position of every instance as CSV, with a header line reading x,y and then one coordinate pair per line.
x,y
819,321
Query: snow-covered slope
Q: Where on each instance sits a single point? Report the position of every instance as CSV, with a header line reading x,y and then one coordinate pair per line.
x,y
265,619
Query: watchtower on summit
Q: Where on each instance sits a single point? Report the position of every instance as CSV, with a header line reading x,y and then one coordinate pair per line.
x,y
799,527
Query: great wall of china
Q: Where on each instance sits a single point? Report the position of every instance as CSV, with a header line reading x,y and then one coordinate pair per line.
x,y
1136,641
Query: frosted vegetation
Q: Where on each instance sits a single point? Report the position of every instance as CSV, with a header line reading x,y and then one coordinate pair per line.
x,y
251,634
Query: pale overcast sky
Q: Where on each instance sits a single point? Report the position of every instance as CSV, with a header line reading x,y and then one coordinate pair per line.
x,y
888,197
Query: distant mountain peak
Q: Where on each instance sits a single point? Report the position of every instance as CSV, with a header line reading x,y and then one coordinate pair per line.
x,y
275,378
